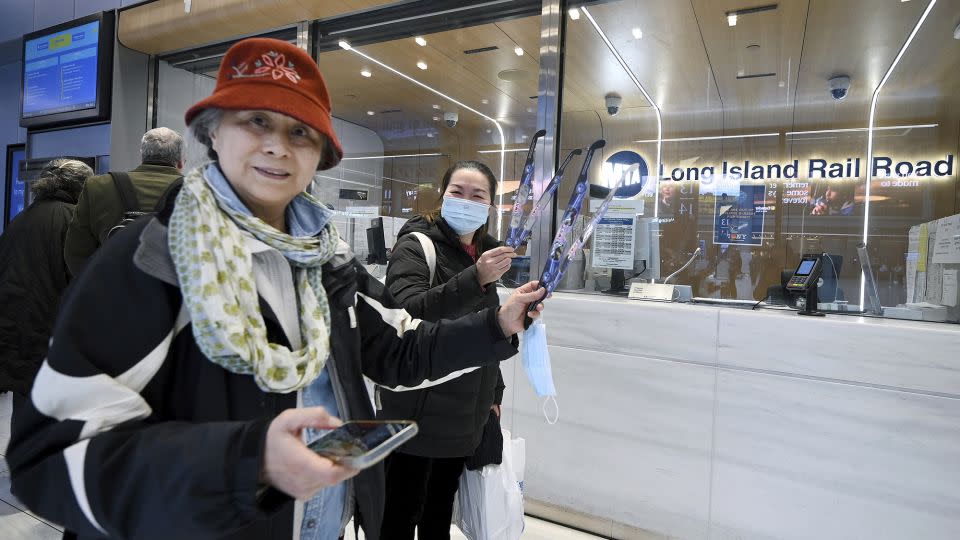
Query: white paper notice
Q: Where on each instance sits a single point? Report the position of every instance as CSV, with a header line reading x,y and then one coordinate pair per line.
x,y
613,241
913,247
946,249
949,288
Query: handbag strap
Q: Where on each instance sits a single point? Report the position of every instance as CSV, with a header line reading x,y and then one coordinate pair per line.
x,y
128,194
429,253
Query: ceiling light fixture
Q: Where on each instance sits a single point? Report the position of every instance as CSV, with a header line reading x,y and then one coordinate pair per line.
x,y
344,45
485,101
518,51
637,33
873,112
391,157
715,137
636,82
420,41
436,118
422,65
731,19
503,140
851,130
437,107
366,73
574,14
370,113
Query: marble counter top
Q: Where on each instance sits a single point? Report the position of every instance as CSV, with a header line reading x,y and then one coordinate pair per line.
x,y
697,421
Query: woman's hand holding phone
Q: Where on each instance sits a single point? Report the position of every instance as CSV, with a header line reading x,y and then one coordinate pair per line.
x,y
291,467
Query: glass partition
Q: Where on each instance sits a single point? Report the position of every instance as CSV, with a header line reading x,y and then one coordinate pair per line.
x,y
765,132
410,108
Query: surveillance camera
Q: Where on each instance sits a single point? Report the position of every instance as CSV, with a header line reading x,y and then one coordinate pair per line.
x,y
612,101
839,86
451,118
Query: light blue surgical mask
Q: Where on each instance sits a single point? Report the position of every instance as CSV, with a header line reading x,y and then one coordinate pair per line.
x,y
464,216
536,363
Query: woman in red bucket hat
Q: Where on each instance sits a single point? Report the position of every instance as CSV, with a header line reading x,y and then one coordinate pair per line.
x,y
202,347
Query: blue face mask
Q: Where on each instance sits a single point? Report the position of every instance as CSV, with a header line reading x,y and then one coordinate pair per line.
x,y
464,216
536,363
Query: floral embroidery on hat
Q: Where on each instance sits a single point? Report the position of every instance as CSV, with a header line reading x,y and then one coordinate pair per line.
x,y
271,64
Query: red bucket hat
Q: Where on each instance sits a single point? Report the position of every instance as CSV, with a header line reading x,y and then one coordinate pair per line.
x,y
274,75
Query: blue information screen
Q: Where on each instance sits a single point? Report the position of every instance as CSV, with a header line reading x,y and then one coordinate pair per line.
x,y
18,190
60,71
805,268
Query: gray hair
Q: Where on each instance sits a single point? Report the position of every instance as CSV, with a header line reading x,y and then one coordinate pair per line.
x,y
204,123
61,174
163,146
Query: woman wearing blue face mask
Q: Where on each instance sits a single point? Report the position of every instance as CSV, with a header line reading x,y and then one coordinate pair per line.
x,y
423,476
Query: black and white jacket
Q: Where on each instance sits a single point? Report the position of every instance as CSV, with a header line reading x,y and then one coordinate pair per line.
x,y
132,433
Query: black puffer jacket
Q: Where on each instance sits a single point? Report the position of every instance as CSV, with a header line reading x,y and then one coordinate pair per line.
x,y
450,415
33,276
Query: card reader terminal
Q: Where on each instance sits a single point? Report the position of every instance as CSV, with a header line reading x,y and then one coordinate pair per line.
x,y
804,283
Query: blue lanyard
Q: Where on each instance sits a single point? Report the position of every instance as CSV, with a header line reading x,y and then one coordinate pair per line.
x,y
523,192
520,233
559,257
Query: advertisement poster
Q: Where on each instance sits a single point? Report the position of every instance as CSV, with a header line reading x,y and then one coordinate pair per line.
x,y
16,194
739,219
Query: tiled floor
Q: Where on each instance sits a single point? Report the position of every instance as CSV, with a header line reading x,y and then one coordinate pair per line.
x,y
16,523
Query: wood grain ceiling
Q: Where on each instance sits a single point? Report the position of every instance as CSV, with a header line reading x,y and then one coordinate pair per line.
x,y
163,26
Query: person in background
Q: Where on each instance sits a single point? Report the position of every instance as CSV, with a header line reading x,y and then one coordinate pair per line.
x,y
33,275
204,347
423,475
837,200
100,208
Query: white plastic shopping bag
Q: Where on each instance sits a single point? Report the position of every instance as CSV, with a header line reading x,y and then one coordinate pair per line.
x,y
490,500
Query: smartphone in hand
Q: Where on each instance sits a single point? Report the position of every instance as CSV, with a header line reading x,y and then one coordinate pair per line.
x,y
362,444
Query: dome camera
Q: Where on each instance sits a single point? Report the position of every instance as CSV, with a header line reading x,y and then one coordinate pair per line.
x,y
839,86
612,101
450,119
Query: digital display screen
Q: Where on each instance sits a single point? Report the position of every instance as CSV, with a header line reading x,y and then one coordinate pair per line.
x,y
805,268
60,71
17,189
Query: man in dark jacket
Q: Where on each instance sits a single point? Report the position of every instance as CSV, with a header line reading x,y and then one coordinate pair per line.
x,y
33,274
100,207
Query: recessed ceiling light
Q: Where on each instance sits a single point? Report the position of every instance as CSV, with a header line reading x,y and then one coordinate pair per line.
x,y
437,107
420,41
370,113
529,109
731,19
430,135
574,14
366,73
489,131
637,33
485,101
422,65
518,51
436,118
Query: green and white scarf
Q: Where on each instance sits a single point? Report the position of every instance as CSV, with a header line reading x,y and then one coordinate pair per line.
x,y
215,271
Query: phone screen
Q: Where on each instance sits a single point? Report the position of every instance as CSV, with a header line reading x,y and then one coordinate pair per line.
x,y
354,439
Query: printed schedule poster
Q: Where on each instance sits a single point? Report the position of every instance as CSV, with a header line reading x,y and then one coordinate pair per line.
x,y
60,71
613,241
739,220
